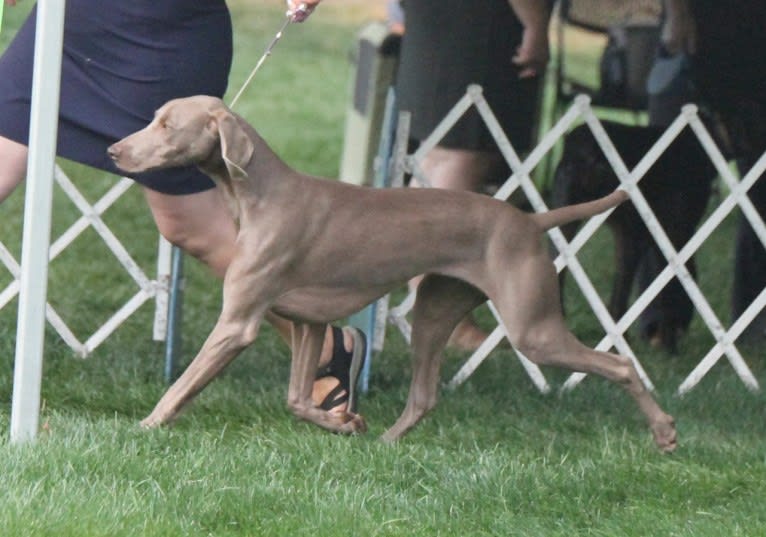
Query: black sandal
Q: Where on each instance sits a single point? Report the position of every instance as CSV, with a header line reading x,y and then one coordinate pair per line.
x,y
346,367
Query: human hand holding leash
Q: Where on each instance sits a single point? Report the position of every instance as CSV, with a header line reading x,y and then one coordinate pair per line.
x,y
299,10
533,54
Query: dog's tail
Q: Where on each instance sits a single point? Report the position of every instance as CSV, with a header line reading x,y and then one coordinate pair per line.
x,y
580,211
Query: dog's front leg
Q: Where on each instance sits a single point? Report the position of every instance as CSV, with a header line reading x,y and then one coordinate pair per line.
x,y
224,343
307,342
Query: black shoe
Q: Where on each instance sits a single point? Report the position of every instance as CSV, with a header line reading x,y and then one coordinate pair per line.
x,y
346,367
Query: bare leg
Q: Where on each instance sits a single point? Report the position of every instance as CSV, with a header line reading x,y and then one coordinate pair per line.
x,y
459,169
198,223
307,338
13,157
324,385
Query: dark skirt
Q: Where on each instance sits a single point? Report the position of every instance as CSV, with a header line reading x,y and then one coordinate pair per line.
x,y
121,61
449,44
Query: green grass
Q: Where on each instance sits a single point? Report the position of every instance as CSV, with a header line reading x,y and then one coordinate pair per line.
x,y
494,458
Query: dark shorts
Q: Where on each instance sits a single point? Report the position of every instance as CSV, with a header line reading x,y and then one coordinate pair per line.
x,y
449,44
121,61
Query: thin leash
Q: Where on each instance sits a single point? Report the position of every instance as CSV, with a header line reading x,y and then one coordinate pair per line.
x,y
290,17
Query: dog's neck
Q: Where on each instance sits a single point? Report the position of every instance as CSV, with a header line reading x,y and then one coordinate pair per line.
x,y
215,168
265,172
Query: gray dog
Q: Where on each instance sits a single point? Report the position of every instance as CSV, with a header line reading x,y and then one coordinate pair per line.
x,y
294,228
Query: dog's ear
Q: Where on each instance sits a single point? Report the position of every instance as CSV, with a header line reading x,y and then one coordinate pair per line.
x,y
236,146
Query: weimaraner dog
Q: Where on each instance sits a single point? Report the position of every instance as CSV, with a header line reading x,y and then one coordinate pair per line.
x,y
316,250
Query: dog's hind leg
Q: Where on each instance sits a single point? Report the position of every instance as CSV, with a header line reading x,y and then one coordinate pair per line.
x,y
571,354
440,304
528,305
629,247
307,344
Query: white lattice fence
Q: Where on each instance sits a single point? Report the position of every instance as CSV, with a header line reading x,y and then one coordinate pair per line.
x,y
148,288
614,329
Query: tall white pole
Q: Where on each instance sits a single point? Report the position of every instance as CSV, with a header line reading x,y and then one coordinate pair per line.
x,y
46,81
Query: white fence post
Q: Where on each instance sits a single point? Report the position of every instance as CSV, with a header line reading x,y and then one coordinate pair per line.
x,y
37,220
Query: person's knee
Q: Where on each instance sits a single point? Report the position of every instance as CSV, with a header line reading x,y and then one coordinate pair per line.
x,y
460,169
198,241
209,245
198,223
13,165
179,234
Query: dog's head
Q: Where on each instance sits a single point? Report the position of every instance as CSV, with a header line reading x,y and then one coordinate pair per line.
x,y
197,130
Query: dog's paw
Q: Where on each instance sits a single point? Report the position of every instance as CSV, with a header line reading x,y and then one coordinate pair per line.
x,y
665,436
152,421
149,423
352,424
389,437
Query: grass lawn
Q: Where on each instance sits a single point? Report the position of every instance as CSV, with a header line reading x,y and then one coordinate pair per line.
x,y
495,458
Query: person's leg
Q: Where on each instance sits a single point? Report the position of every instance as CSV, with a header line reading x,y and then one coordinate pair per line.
x,y
197,223
748,135
750,261
13,156
201,225
459,169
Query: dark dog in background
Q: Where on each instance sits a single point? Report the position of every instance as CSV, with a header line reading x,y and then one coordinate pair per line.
x,y
677,187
